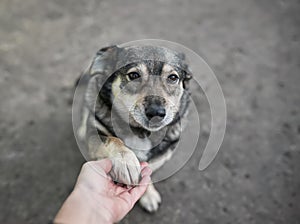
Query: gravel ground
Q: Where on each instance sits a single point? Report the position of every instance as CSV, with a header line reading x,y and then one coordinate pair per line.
x,y
253,47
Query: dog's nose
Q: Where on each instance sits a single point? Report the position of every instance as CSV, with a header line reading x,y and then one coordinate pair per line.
x,y
155,110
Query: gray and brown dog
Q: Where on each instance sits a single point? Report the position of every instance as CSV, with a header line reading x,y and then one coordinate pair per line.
x,y
134,96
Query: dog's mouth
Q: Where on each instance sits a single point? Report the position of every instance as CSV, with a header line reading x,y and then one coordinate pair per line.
x,y
155,121
153,124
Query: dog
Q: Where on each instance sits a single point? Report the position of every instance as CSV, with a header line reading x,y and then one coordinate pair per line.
x,y
134,100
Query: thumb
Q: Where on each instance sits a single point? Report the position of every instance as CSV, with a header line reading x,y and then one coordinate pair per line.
x,y
104,164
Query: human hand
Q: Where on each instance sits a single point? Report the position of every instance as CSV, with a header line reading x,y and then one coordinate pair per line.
x,y
97,199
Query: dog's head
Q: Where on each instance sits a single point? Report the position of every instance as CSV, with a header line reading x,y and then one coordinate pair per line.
x,y
151,91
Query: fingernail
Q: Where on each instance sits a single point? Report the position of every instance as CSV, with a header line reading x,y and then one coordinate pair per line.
x,y
146,171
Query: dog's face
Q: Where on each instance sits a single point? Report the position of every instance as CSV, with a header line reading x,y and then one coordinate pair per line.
x,y
150,91
148,94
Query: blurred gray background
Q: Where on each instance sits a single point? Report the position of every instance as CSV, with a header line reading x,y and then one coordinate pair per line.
x,y
253,47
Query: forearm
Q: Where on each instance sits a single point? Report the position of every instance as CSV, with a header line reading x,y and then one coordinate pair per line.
x,y
78,209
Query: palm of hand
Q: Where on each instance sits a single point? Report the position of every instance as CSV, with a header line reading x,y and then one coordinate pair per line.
x,y
113,200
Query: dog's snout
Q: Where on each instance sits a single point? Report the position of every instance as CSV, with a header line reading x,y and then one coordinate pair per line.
x,y
154,110
154,107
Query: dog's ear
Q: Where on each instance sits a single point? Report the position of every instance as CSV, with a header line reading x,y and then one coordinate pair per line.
x,y
102,64
99,71
187,72
187,77
104,61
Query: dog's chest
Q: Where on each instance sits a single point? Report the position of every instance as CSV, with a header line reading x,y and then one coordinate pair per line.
x,y
140,146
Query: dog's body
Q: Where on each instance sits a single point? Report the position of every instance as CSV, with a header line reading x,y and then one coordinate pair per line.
x,y
132,111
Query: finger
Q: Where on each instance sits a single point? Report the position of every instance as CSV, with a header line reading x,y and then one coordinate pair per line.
x,y
146,171
138,191
104,164
144,164
119,190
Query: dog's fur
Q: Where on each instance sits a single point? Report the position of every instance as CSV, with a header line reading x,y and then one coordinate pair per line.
x,y
131,106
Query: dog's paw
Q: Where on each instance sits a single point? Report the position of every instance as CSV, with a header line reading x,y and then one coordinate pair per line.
x,y
126,168
151,199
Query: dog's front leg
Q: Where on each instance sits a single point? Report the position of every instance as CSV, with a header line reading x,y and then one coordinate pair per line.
x,y
151,199
126,167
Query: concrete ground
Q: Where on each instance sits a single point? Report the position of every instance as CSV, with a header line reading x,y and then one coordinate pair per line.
x,y
253,47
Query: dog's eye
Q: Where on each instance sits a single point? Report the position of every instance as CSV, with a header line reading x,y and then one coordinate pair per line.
x,y
133,75
173,78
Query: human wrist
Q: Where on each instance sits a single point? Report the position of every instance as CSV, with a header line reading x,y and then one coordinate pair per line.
x,y
80,207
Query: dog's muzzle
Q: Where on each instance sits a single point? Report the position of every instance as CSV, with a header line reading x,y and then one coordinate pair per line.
x,y
154,109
